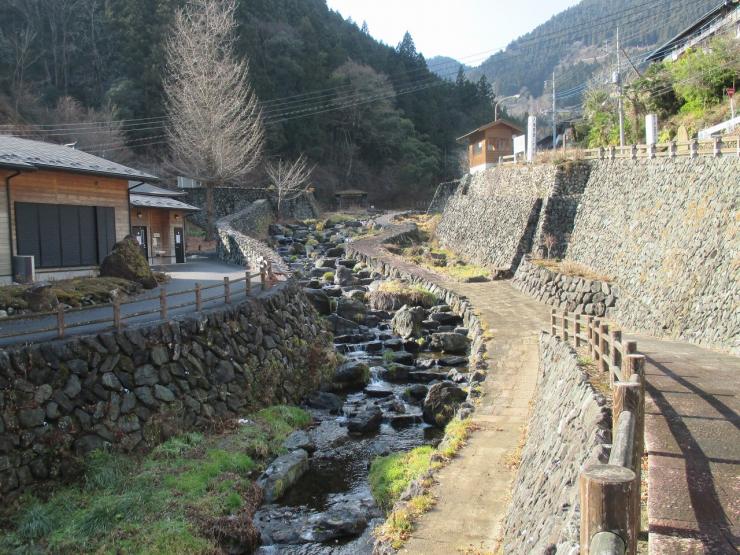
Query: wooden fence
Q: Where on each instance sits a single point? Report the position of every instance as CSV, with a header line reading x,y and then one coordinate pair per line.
x,y
693,149
610,493
117,320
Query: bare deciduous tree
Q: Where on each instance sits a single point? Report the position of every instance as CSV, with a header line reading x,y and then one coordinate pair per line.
x,y
550,241
215,128
289,179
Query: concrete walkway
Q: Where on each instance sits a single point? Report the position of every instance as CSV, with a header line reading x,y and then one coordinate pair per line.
x,y
183,278
692,434
473,491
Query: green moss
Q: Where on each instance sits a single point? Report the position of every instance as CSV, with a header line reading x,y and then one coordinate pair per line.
x,y
155,504
391,475
328,276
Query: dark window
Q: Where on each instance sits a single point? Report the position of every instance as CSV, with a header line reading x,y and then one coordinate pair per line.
x,y
61,235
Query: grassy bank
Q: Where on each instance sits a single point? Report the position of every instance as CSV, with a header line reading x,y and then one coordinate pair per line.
x,y
391,475
191,495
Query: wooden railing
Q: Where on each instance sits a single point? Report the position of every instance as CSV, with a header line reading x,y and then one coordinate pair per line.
x,y
610,493
727,146
61,325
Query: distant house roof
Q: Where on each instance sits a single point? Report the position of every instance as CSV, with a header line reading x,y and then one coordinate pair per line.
x,y
497,123
726,7
141,188
350,193
155,201
25,154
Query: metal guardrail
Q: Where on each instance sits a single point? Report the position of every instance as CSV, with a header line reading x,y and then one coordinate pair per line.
x,y
610,493
267,279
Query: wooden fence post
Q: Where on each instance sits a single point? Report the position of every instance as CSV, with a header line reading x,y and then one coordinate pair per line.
x,y
606,492
117,313
717,146
615,357
595,342
672,149
60,320
628,348
636,368
263,277
248,282
564,325
589,334
227,290
198,298
162,303
604,347
633,152
577,329
553,323
694,148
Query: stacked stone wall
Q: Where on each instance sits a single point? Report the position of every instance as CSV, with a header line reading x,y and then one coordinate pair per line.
x,y
129,390
568,426
498,215
666,231
568,293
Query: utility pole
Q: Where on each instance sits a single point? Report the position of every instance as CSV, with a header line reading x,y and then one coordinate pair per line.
x,y
554,114
619,92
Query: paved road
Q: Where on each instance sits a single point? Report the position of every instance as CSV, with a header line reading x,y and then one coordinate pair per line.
x,y
692,435
183,277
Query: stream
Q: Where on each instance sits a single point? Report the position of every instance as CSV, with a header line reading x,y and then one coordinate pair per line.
x,y
374,407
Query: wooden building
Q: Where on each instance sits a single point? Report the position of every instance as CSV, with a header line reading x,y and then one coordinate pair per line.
x,y
489,143
351,199
64,207
158,222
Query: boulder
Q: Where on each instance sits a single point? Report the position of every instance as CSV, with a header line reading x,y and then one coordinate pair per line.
x,y
449,342
407,321
323,400
453,360
441,402
284,471
40,298
343,276
395,373
415,393
351,376
341,326
365,421
351,309
320,300
127,261
299,440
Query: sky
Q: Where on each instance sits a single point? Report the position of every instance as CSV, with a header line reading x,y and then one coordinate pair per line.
x,y
467,30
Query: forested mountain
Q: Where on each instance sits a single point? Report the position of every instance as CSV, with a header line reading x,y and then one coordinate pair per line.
x,y
445,66
529,60
370,116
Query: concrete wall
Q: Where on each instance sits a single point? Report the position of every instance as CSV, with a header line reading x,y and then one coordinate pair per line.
x,y
666,231
567,427
130,390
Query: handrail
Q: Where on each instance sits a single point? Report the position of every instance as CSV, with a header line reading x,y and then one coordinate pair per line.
x,y
610,493
267,279
717,146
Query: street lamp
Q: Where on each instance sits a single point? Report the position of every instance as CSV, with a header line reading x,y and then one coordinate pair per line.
x,y
499,101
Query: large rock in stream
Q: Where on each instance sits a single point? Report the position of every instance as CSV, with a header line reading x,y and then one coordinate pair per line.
x,y
284,471
351,376
441,402
320,300
449,342
407,321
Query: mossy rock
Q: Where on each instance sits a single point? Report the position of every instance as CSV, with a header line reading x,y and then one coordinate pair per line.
x,y
127,261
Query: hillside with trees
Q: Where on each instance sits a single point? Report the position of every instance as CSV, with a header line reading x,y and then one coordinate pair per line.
x,y
567,37
367,115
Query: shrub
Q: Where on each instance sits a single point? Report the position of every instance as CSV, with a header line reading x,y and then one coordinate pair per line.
x,y
393,294
328,276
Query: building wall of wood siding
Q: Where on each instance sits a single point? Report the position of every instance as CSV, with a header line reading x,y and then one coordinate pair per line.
x,y
162,221
59,187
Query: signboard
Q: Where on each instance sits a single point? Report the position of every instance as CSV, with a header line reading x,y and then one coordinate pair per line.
x,y
520,144
651,129
731,92
531,138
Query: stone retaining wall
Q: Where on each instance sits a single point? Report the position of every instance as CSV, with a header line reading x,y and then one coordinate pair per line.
x,y
568,426
498,215
567,293
236,246
667,232
230,200
129,390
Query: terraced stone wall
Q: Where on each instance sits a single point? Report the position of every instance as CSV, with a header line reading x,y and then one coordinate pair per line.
x,y
568,425
498,215
666,231
130,390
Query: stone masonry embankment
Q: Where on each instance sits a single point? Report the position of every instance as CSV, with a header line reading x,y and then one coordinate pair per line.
x,y
667,232
498,215
129,390
569,293
236,244
569,425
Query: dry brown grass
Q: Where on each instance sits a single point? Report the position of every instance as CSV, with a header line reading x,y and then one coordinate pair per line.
x,y
570,268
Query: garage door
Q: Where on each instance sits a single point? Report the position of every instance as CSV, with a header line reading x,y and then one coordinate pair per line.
x,y
61,235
